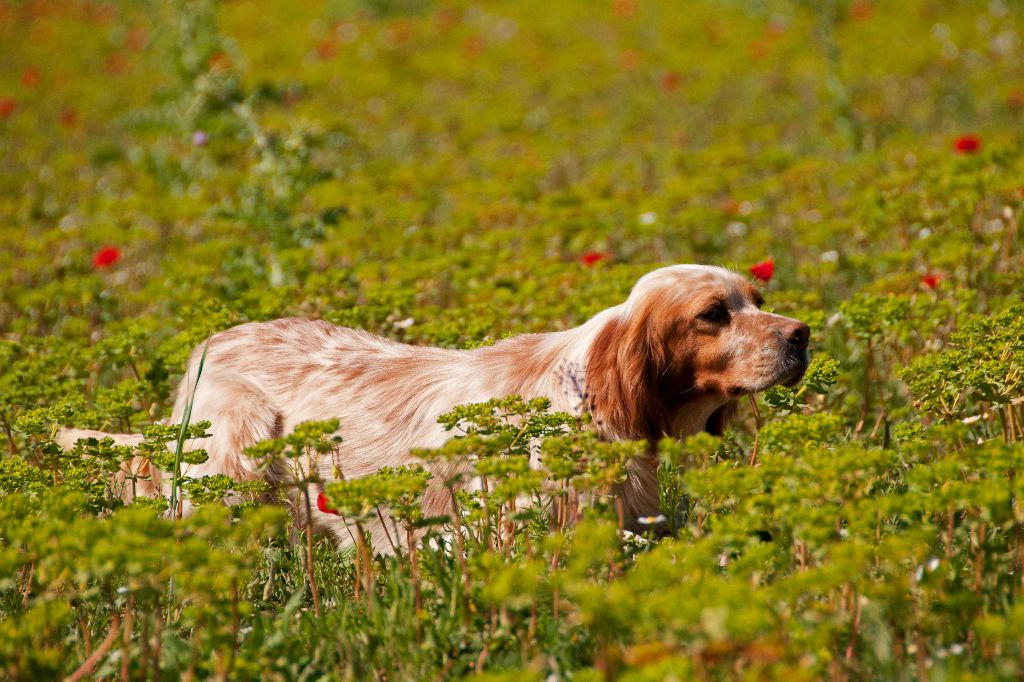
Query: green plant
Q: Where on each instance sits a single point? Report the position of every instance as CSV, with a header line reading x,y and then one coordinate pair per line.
x,y
447,174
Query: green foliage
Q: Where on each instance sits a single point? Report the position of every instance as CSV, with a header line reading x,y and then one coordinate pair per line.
x,y
448,174
822,373
872,317
983,366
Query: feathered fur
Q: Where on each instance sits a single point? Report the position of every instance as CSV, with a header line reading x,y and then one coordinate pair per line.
x,y
655,365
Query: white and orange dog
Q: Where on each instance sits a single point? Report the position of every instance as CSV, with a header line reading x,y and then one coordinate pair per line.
x,y
671,360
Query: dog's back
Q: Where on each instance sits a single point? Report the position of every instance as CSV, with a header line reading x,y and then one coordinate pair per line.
x,y
260,380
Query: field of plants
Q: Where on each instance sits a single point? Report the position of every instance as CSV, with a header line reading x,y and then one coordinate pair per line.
x,y
449,173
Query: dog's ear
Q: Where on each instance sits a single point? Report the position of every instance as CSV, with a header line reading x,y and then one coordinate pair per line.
x,y
720,418
624,363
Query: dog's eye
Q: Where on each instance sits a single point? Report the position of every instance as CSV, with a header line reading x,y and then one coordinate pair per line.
x,y
717,314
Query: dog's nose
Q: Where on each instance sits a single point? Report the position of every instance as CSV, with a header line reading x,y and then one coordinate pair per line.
x,y
797,334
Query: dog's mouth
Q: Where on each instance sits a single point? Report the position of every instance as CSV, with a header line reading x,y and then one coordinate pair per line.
x,y
795,373
791,372
794,378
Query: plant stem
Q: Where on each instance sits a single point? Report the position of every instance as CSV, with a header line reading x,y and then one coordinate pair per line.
x,y
175,506
414,568
460,549
757,431
129,619
83,628
157,634
309,553
101,650
12,448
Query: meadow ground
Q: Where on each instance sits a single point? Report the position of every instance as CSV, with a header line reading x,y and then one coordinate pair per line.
x,y
448,173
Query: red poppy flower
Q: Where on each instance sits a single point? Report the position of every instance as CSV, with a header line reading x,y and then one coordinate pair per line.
x,y
1015,98
624,8
591,257
932,279
106,257
327,49
861,10
68,117
219,61
758,48
473,46
115,64
101,13
321,504
967,144
774,29
30,77
399,32
670,81
136,40
763,270
629,59
7,107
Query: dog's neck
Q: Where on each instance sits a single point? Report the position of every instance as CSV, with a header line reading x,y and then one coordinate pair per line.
x,y
693,416
554,365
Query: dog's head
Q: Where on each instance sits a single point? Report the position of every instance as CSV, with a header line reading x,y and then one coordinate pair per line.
x,y
688,342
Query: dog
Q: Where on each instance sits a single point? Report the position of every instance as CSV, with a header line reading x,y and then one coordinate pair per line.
x,y
672,360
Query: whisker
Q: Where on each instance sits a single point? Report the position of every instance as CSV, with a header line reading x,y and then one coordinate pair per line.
x,y
682,393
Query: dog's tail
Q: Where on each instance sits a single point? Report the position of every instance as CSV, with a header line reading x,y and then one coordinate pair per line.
x,y
137,476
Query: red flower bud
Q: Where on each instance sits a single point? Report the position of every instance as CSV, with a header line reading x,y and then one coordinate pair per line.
x,y
591,257
327,49
763,270
670,81
861,10
321,504
967,144
106,257
30,77
68,117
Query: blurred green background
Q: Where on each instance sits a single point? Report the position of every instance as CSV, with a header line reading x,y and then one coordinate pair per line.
x,y
447,147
